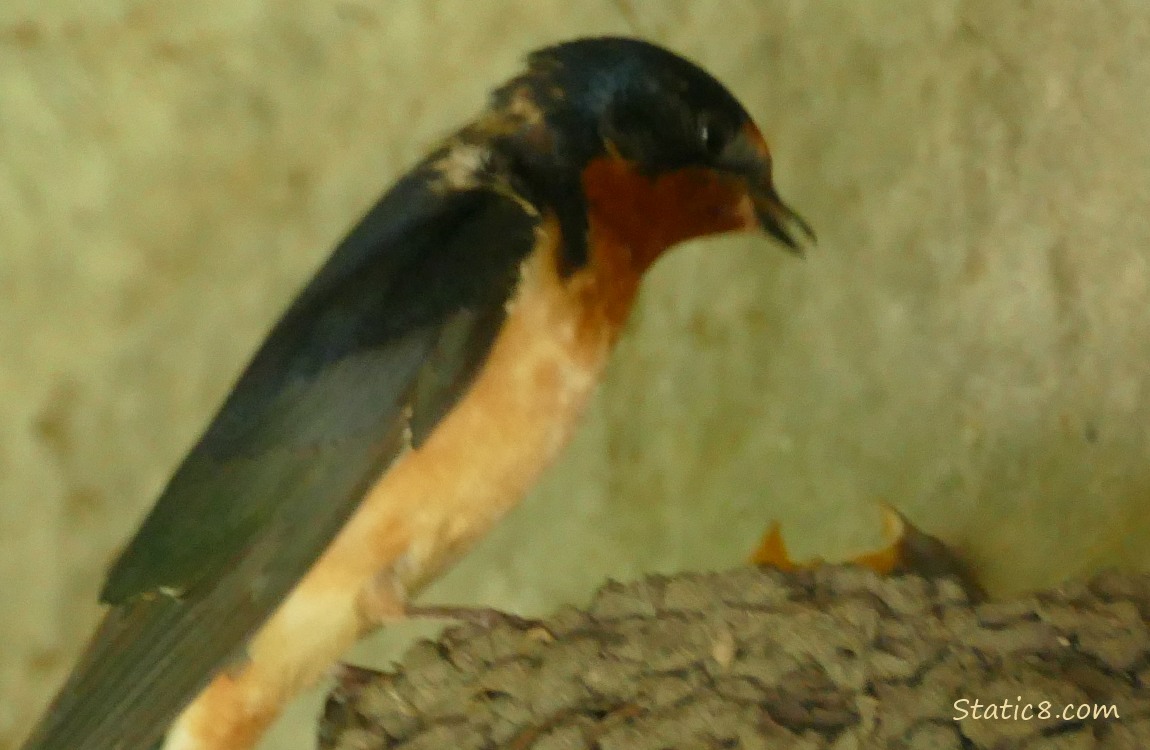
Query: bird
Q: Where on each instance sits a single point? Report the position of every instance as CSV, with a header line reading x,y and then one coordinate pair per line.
x,y
412,392
909,551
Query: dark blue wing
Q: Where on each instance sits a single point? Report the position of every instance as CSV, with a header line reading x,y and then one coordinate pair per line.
x,y
410,301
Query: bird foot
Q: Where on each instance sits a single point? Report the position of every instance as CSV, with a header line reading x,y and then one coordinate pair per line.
x,y
484,617
349,676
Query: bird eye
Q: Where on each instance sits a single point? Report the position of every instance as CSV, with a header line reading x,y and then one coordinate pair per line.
x,y
713,135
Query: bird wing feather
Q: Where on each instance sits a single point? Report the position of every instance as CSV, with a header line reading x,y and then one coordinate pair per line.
x,y
373,352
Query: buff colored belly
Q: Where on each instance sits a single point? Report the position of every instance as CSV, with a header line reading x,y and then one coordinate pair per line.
x,y
430,506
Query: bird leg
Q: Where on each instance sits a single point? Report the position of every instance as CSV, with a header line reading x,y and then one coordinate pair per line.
x,y
483,617
383,601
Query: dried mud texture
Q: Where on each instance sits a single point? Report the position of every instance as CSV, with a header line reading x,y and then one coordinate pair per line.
x,y
833,658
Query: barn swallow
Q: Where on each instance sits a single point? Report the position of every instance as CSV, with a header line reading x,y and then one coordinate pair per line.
x,y
412,393
909,551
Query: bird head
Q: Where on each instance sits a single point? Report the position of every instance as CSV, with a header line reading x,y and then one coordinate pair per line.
x,y
662,152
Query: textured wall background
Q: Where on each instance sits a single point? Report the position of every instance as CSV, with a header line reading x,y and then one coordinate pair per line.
x,y
969,342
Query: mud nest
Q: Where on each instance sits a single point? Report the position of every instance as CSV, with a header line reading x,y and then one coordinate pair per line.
x,y
835,657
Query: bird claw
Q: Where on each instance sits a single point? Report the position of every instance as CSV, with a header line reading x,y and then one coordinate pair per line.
x,y
348,677
483,617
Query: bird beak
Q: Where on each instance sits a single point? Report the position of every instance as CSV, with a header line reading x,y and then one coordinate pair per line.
x,y
749,157
779,220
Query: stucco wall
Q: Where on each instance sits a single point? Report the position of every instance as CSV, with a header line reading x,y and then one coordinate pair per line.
x,y
968,342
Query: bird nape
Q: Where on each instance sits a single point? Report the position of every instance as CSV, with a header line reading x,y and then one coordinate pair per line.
x,y
412,393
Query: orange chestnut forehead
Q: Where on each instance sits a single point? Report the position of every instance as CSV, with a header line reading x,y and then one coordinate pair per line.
x,y
757,141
